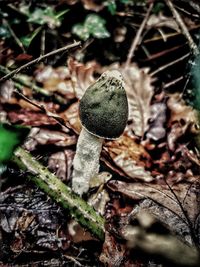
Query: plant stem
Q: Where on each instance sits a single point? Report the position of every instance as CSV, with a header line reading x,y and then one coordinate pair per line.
x,y
61,193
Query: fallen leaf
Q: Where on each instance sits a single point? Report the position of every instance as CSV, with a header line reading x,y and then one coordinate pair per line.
x,y
71,116
175,198
46,137
82,75
30,118
130,157
180,111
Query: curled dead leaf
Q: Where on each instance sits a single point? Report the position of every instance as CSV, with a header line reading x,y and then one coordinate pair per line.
x,y
82,75
130,157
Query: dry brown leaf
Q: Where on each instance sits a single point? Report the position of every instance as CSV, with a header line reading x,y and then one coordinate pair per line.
x,y
181,111
140,92
39,136
71,116
81,75
127,155
56,80
30,118
113,253
186,193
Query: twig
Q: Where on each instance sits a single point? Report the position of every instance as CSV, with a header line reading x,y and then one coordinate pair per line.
x,y
183,27
62,49
169,64
20,83
137,38
167,85
61,193
56,117
17,40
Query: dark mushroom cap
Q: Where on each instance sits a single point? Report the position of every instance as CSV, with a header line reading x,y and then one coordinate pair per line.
x,y
104,106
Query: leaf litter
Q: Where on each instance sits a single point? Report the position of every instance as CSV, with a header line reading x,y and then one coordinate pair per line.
x,y
151,167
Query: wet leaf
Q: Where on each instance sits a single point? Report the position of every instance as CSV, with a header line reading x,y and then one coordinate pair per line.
x,y
71,116
99,200
30,118
113,253
93,5
140,92
158,120
33,222
56,80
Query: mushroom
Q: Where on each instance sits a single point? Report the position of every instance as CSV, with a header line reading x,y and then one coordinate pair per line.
x,y
103,112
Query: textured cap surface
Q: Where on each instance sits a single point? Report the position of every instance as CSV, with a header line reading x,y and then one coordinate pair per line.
x,y
104,107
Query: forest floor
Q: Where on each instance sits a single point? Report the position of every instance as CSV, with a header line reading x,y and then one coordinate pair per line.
x,y
146,196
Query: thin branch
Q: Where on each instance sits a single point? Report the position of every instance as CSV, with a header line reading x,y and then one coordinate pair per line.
x,y
42,108
183,27
17,40
20,83
167,85
62,49
137,38
169,64
54,187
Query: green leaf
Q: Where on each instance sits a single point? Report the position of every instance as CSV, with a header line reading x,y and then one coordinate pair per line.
x,y
81,32
112,7
10,137
45,16
26,40
4,32
60,14
94,26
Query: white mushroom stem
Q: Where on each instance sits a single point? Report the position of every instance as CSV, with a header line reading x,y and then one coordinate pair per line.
x,y
86,161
